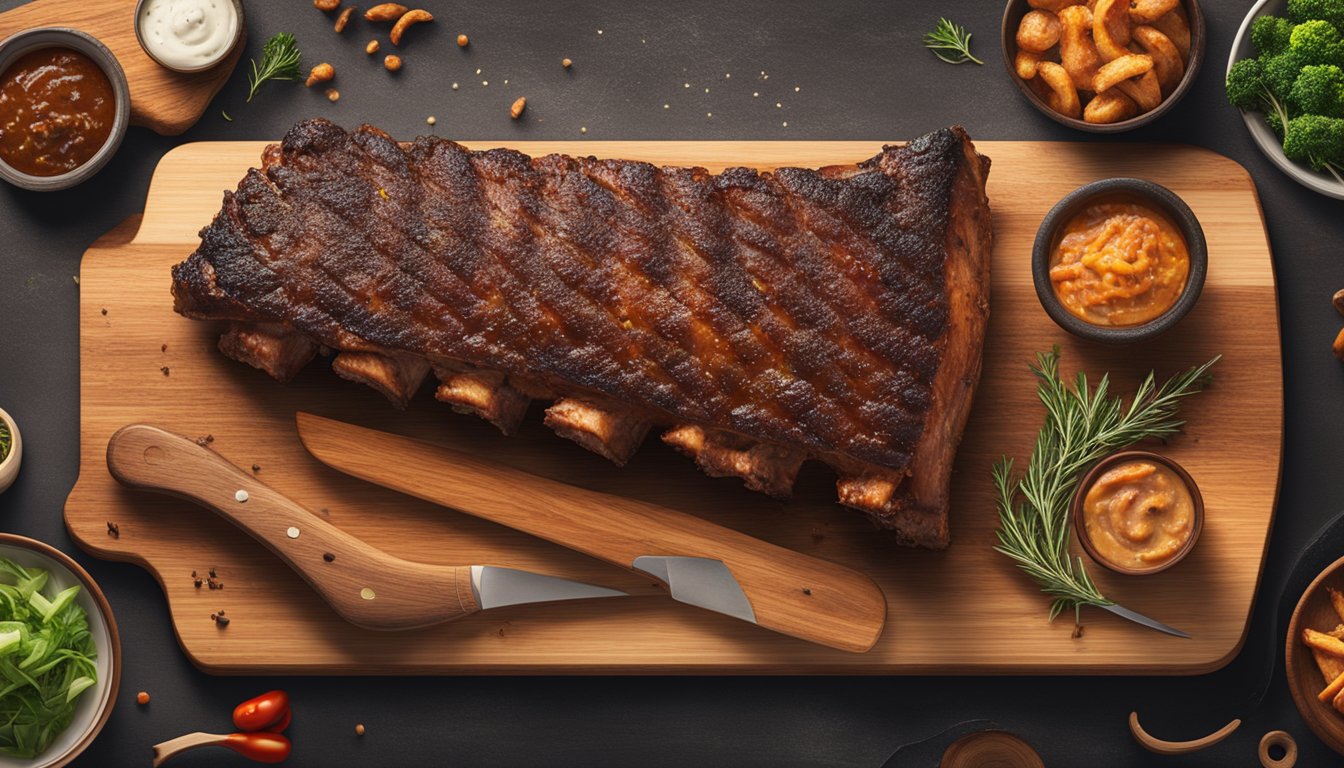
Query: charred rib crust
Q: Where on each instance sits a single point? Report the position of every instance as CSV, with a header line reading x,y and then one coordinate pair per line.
x,y
821,311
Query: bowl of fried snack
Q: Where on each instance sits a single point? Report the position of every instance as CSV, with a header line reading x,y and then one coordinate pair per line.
x,y
1314,656
1103,66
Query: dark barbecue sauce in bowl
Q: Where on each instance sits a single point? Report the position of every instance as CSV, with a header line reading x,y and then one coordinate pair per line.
x,y
57,109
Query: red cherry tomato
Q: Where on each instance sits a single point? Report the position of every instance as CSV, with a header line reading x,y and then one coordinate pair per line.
x,y
261,747
265,710
280,726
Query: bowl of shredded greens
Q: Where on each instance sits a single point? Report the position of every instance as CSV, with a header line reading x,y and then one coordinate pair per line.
x,y
59,656
1286,75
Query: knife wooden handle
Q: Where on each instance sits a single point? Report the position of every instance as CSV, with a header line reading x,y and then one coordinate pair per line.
x,y
790,592
366,586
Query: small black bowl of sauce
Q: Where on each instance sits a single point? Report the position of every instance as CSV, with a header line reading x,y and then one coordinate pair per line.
x,y
64,108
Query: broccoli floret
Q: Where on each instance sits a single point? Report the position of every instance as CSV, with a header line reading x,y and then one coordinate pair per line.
x,y
1316,42
1319,90
1317,10
1317,140
1271,34
1275,123
1281,72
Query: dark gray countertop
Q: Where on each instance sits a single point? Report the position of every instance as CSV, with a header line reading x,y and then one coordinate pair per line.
x,y
861,74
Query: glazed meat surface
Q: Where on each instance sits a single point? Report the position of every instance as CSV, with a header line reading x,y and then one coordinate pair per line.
x,y
761,319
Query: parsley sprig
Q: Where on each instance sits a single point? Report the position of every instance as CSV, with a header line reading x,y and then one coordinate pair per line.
x,y
1081,426
279,61
950,42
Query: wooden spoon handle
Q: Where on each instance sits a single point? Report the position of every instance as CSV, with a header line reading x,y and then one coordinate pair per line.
x,y
366,586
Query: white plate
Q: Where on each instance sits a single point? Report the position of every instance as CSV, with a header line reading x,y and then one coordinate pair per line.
x,y
1264,137
94,700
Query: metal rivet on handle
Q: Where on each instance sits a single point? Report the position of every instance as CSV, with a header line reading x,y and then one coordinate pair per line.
x,y
292,533
240,495
367,593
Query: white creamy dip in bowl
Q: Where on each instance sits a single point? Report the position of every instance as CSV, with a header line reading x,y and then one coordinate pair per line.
x,y
188,35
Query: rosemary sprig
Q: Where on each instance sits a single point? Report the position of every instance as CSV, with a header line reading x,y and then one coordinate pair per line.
x,y
950,42
279,61
1081,426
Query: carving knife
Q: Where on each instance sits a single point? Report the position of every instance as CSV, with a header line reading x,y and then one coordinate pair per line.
x,y
700,563
366,586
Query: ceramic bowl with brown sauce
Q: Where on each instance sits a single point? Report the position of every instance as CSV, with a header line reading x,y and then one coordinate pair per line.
x,y
1138,512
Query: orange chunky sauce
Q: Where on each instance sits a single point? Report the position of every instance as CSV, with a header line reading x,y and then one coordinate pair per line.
x,y
1119,263
56,111
1138,514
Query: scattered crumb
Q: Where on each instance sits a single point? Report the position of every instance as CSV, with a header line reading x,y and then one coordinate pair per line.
x,y
685,85
198,583
755,95
462,41
75,278
113,530
329,557
256,467
727,75
165,370
212,573
485,82
104,311
786,123
516,110
667,106
478,70
796,89
706,90
431,120
163,348
142,698
220,619
372,47
454,86
566,63
1077,631
359,729
599,31
392,62
583,129
778,105
204,441
333,95
709,114
807,590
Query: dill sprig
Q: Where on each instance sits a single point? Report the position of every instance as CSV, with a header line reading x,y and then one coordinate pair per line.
x,y
1081,426
950,42
279,61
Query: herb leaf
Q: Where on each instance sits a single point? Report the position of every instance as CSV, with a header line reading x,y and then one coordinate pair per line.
x,y
950,42
6,439
279,61
1082,425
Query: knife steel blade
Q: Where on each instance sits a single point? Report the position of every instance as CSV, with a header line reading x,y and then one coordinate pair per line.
x,y
699,581
496,587
1139,618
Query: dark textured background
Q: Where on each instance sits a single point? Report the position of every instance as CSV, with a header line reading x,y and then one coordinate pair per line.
x,y
862,75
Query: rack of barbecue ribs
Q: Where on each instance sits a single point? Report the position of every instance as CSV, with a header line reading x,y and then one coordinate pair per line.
x,y
757,320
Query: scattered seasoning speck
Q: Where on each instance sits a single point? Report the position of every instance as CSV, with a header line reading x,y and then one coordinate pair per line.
x,y
163,348
104,311
213,574
462,41
240,496
706,90
727,75
333,95
685,85
198,583
796,89
75,278
359,729
778,105
599,31
1077,631
786,123
454,86
485,82
709,114
113,530
142,698
256,467
431,120
807,590
478,70
755,95
566,63
292,532
328,557
220,619
667,106
193,574
583,129
165,370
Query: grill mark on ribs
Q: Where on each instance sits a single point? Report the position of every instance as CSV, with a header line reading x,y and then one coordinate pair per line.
x,y
761,318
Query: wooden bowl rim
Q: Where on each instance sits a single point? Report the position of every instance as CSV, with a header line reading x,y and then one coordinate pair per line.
x,y
1076,510
1008,42
105,608
1328,729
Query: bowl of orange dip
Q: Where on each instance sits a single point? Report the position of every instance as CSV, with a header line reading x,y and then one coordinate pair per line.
x,y
1119,261
1138,512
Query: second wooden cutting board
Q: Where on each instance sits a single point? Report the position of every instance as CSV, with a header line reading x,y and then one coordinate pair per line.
x,y
966,610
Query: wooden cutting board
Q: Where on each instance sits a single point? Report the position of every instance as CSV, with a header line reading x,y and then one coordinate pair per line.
x,y
965,610
163,101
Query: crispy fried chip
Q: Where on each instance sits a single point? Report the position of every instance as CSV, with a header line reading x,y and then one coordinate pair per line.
x,y
1110,28
1123,68
1176,26
1110,107
1025,63
1063,96
1077,53
1143,11
1144,90
1038,32
1167,61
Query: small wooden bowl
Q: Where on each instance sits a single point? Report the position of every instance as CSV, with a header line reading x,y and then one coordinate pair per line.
x,y
95,704
9,466
1116,458
1012,17
1314,611
1140,190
